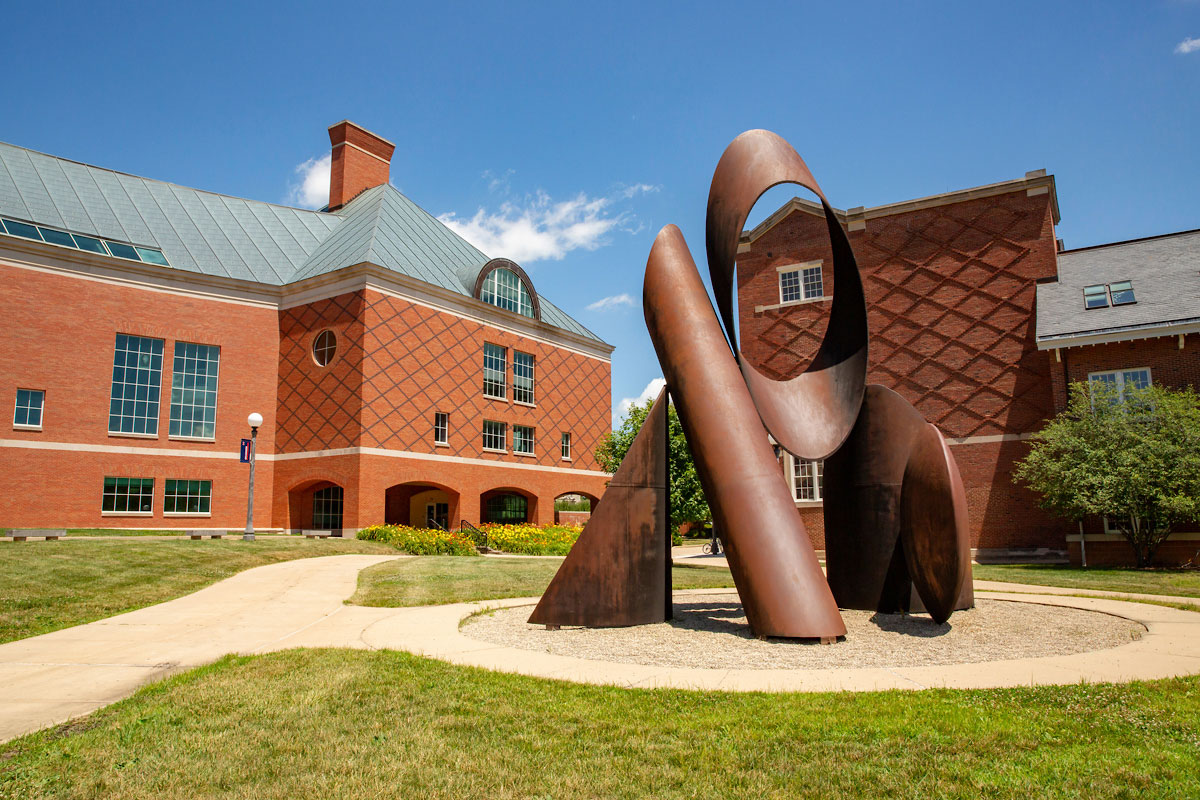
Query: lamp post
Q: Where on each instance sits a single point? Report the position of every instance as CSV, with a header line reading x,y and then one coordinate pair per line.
x,y
255,420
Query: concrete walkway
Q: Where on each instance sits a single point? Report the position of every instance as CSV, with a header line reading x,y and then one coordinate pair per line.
x,y
48,679
45,680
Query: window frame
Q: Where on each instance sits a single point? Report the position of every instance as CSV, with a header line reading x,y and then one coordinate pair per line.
x,y
1120,381
41,409
201,497
332,349
492,383
800,271
531,439
565,445
115,512
339,501
215,392
156,401
817,475
503,426
493,292
519,390
441,422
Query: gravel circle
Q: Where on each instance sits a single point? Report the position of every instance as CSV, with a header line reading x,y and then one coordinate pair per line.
x,y
711,632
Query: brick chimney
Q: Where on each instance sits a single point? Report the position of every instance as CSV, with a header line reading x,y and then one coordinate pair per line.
x,y
361,160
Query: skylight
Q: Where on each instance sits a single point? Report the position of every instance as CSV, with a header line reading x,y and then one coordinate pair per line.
x,y
1095,296
1122,293
77,241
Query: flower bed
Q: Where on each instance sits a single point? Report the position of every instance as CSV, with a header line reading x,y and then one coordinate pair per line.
x,y
420,541
527,539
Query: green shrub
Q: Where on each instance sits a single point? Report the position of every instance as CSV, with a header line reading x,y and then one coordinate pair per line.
x,y
420,541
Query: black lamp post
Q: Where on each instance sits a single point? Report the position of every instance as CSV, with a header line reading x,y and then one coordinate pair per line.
x,y
255,420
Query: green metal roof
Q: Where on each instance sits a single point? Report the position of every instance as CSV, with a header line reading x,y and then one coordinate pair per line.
x,y
215,234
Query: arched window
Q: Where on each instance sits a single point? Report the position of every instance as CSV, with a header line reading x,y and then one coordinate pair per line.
x,y
505,289
506,508
324,348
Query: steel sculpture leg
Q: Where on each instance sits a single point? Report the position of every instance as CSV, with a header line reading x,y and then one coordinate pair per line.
x,y
774,567
619,572
895,514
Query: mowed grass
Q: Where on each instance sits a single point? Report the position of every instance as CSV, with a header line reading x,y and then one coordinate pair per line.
x,y
339,723
433,580
1182,583
53,585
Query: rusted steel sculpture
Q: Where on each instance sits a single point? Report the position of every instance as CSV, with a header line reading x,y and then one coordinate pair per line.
x,y
773,564
896,522
619,572
811,414
895,514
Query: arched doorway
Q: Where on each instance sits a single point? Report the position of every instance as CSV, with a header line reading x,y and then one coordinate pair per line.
x,y
316,505
507,506
421,505
574,508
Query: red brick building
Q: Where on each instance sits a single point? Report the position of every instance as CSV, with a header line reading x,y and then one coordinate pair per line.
x,y
402,375
959,291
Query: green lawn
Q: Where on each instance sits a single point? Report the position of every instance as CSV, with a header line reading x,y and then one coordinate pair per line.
x,y
1183,583
433,580
341,723
52,585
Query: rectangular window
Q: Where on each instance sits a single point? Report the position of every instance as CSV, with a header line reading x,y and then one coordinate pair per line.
x,y
807,479
441,428
28,413
523,439
1116,386
800,284
522,377
566,447
495,436
1121,293
194,391
1095,296
136,385
187,497
128,495
495,368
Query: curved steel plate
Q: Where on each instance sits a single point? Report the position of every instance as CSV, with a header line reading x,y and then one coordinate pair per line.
x,y
811,414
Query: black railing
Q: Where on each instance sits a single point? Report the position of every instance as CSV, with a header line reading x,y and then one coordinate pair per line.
x,y
433,523
477,536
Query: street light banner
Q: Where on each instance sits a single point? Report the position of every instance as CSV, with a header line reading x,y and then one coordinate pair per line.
x,y
245,459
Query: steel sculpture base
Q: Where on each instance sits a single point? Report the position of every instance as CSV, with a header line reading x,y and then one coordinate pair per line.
x,y
896,532
619,572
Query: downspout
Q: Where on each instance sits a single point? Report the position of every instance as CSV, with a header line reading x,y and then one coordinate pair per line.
x,y
1082,546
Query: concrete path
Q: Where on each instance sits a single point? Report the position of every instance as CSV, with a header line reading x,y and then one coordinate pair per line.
x,y
45,680
48,679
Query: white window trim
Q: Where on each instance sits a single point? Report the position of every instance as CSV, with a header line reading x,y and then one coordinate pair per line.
x,y
779,271
503,383
127,513
187,513
216,403
436,441
41,411
533,440
568,443
1120,374
791,479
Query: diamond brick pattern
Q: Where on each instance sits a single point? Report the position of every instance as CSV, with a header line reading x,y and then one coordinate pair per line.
x,y
950,295
418,361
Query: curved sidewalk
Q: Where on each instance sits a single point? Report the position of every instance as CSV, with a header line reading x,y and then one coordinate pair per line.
x,y
48,679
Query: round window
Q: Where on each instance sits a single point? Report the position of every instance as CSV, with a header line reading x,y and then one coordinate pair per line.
x,y
324,348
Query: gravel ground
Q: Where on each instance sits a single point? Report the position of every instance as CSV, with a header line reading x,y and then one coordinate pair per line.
x,y
712,632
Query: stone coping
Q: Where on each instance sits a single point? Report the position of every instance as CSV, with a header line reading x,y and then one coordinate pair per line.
x,y
1169,648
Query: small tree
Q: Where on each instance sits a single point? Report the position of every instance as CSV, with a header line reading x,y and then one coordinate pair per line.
x,y
1134,459
688,503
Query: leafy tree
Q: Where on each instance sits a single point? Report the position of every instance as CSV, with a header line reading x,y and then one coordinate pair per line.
x,y
1134,459
688,503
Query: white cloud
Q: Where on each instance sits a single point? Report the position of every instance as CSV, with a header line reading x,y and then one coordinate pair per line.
x,y
311,187
542,228
1187,46
609,303
649,393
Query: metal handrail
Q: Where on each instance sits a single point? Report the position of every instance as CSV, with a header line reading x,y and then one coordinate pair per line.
x,y
479,537
438,525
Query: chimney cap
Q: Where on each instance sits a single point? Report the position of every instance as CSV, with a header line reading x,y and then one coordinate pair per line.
x,y
358,127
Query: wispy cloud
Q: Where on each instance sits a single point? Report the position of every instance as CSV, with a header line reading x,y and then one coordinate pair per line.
x,y
310,186
649,393
1188,45
622,300
541,228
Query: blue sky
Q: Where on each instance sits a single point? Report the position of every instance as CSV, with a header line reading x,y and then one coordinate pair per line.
x,y
565,136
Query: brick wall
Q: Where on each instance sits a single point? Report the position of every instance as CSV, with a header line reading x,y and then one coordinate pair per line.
x,y
59,336
950,300
1169,365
